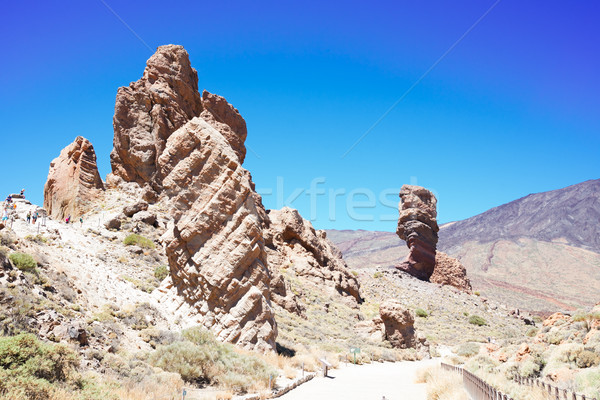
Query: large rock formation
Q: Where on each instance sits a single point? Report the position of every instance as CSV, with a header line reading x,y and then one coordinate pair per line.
x,y
398,324
449,271
292,242
73,181
149,110
215,247
417,225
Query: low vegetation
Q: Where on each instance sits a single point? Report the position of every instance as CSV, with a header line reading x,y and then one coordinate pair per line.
x,y
23,261
477,320
442,384
138,240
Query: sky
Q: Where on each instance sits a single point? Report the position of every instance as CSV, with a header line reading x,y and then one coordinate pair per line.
x,y
482,102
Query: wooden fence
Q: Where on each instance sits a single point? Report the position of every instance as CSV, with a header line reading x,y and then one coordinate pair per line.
x,y
478,389
554,392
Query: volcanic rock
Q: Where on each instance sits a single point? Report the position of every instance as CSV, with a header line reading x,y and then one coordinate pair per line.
x,y
292,242
227,120
74,183
449,271
215,246
113,223
417,225
398,324
149,110
133,209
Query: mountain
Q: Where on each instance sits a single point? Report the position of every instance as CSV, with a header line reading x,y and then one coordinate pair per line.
x,y
540,253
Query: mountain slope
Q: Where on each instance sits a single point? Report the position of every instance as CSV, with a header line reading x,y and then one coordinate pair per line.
x,y
540,252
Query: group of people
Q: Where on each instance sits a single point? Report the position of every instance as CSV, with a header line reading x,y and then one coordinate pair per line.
x,y
32,217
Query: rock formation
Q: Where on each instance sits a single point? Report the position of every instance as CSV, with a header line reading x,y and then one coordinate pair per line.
x,y
149,110
449,271
398,324
417,225
73,181
215,248
292,242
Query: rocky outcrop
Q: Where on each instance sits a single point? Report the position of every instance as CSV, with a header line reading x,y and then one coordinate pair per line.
x,y
149,110
417,226
74,183
227,120
398,324
449,271
215,247
293,243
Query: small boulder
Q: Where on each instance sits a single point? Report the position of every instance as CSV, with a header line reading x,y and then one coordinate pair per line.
x,y
113,223
146,217
398,324
133,209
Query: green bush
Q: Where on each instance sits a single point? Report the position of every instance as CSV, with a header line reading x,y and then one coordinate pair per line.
x,y
377,274
199,357
421,313
477,320
23,261
161,272
138,240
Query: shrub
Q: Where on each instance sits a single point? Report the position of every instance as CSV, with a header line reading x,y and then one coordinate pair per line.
x,y
477,320
138,240
476,293
421,313
377,274
587,359
531,332
23,261
161,272
467,349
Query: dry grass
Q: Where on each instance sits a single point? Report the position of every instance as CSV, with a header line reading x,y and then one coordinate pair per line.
x,y
441,384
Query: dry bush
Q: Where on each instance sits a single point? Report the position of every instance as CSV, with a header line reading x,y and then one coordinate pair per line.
x,y
442,384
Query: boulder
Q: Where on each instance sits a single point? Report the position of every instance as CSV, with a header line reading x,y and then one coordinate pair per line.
x,y
398,324
215,246
73,184
132,209
113,223
292,242
417,226
449,271
145,217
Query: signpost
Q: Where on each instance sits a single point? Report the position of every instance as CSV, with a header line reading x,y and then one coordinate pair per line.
x,y
354,350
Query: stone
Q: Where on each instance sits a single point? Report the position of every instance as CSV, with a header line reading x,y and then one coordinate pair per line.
x,y
398,324
145,217
74,184
449,271
113,223
417,226
292,242
132,209
149,110
215,245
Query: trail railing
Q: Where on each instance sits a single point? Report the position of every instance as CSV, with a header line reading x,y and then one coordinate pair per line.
x,y
554,392
477,388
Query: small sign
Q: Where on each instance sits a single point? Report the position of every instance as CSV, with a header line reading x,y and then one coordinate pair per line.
x,y
354,350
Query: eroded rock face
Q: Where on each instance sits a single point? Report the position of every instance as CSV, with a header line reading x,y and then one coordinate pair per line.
x,y
149,110
398,324
227,120
215,248
449,271
292,242
417,225
74,183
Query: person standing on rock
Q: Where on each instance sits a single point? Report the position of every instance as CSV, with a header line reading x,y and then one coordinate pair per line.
x,y
23,193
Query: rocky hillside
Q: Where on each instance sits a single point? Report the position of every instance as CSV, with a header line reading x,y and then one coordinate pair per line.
x,y
538,253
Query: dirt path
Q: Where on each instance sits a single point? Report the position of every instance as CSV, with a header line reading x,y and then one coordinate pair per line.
x,y
395,381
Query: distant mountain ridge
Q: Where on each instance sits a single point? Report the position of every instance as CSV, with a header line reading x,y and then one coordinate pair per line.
x,y
540,252
570,215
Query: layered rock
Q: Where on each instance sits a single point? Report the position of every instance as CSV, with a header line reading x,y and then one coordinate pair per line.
x,y
449,271
417,226
215,247
74,183
149,110
292,242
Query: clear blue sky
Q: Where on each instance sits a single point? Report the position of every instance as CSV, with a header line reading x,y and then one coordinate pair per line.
x,y
513,109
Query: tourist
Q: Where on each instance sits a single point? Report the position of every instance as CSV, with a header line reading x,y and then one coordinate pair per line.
x,y
35,217
23,193
28,216
5,215
81,221
68,219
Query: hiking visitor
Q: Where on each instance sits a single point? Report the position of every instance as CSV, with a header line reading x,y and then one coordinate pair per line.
x,y
28,216
23,193
81,221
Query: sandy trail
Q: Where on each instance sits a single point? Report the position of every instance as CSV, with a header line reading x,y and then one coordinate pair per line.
x,y
395,381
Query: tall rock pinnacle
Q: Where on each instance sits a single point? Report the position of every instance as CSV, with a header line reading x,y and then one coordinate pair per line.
x,y
73,181
417,225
